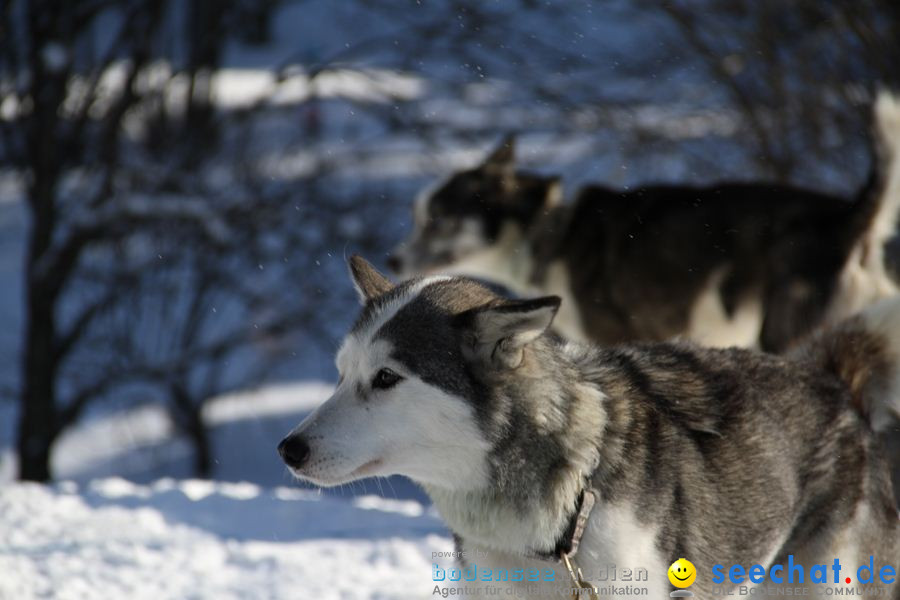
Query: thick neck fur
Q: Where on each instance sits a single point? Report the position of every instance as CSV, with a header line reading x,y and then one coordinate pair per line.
x,y
544,422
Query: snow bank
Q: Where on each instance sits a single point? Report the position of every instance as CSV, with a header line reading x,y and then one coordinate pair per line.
x,y
199,539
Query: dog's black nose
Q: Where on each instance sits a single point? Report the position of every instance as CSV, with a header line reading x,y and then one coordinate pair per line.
x,y
394,263
294,451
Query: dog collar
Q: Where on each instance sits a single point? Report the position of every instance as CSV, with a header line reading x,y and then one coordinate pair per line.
x,y
567,545
568,542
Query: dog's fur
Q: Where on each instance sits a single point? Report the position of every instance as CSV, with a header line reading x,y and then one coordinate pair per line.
x,y
726,456
734,264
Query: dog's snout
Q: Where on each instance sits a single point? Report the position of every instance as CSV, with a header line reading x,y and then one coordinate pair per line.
x,y
294,450
394,263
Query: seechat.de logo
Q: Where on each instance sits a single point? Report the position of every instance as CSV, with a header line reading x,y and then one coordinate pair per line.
x,y
796,573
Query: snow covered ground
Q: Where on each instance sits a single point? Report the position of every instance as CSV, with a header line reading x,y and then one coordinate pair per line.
x,y
259,535
198,539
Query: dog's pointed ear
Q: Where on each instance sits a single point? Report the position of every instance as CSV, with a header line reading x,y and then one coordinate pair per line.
x,y
369,283
499,333
502,160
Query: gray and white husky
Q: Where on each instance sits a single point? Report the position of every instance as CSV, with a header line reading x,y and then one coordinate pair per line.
x,y
745,264
723,456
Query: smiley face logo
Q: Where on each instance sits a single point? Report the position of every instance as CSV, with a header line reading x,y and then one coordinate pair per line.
x,y
682,573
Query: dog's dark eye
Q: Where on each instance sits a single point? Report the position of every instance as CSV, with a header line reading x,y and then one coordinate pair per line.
x,y
385,379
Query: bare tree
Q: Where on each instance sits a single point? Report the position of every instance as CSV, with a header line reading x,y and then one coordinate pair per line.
x,y
127,223
800,75
45,141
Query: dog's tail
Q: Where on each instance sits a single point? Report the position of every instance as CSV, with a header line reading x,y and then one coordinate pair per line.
x,y
865,278
864,352
883,223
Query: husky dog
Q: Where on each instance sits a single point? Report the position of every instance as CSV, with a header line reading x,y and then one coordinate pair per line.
x,y
734,264
722,456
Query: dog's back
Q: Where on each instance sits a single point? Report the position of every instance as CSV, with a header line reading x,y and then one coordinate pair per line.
x,y
730,264
733,264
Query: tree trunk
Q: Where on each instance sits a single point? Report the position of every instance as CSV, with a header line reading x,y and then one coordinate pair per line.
x,y
37,419
38,426
200,440
189,418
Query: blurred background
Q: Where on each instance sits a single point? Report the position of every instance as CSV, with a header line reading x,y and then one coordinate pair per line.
x,y
181,182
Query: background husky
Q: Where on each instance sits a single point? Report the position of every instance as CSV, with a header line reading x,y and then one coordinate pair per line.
x,y
725,456
734,264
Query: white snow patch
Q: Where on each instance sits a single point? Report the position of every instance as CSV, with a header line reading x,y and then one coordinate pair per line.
x,y
267,401
190,539
231,88
242,88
